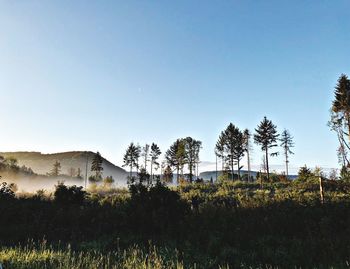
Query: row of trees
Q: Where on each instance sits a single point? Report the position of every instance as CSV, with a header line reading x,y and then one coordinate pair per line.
x,y
149,154
233,144
183,152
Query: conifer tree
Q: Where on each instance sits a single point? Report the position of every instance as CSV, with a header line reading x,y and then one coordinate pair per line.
x,y
56,169
286,143
131,157
155,153
234,147
247,136
96,166
266,136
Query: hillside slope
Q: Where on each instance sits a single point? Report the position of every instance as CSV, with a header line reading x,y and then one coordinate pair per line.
x,y
42,163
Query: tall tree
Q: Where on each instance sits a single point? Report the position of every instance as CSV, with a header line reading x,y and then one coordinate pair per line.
x,y
286,143
340,118
247,136
220,150
234,147
131,157
96,165
56,169
175,156
192,148
155,153
266,136
145,155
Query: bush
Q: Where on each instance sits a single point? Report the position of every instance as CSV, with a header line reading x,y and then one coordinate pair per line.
x,y
69,195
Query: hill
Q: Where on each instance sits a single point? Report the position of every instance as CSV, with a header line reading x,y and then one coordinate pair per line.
x,y
70,161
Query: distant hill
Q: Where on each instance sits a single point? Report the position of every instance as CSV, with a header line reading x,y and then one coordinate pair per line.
x,y
42,163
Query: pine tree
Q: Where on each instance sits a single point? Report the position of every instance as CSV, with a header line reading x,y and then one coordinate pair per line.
x,y
175,156
192,148
234,147
340,118
56,169
286,143
155,153
96,166
266,136
247,136
220,151
145,155
131,157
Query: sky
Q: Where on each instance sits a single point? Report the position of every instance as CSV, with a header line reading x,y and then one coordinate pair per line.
x,y
97,75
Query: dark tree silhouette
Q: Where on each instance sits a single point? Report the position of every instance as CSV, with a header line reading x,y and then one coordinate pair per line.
x,y
96,166
266,136
155,153
175,156
131,157
56,169
287,143
220,151
247,136
234,147
192,148
340,118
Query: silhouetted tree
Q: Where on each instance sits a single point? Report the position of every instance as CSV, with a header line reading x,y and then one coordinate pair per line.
x,y
234,147
56,169
287,143
131,156
96,166
168,174
145,154
266,136
247,136
220,151
192,148
340,118
155,153
175,156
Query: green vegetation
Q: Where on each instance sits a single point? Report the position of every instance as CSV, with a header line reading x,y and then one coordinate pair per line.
x,y
232,223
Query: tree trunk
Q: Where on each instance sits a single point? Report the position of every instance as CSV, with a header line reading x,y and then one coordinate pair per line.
x,y
287,174
232,169
248,165
151,172
216,168
321,190
267,165
239,171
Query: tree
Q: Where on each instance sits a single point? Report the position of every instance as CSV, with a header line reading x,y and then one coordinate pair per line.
x,y
145,154
192,148
234,147
220,151
131,157
96,166
175,156
168,174
155,153
72,172
266,136
247,136
340,118
286,143
56,169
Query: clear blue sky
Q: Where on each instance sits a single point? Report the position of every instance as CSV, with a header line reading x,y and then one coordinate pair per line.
x,y
96,75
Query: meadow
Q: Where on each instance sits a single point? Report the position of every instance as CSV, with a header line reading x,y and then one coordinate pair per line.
x,y
228,224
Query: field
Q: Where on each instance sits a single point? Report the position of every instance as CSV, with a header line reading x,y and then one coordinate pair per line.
x,y
230,224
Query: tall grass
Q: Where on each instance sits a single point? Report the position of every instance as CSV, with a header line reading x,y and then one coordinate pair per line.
x,y
40,257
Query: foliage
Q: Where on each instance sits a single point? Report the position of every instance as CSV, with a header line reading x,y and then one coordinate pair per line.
x,y
266,136
69,195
